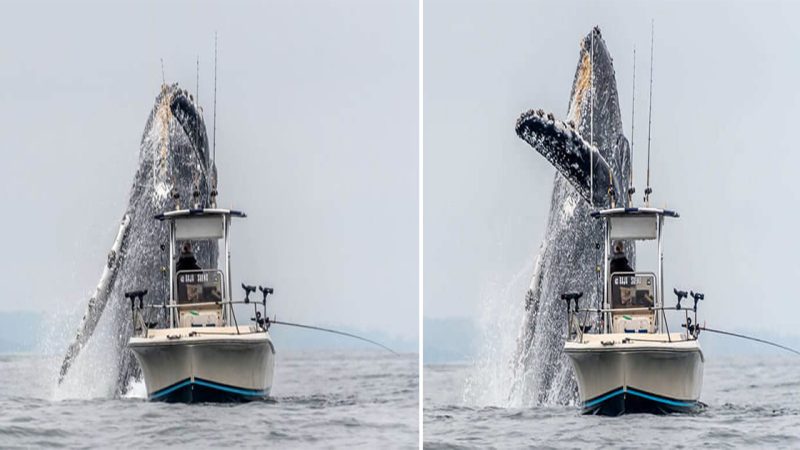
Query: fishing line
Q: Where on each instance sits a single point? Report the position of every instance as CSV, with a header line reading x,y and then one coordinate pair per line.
x,y
311,327
728,333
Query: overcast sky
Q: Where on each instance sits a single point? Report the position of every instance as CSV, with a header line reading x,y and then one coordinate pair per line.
x,y
317,142
723,154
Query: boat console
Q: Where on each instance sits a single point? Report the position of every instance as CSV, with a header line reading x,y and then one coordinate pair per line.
x,y
198,297
632,301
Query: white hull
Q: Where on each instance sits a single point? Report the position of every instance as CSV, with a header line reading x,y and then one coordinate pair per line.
x,y
206,364
619,373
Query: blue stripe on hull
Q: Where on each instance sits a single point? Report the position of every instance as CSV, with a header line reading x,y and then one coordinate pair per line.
x,y
628,400
199,390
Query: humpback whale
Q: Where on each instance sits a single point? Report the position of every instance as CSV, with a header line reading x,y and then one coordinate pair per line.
x,y
174,169
592,159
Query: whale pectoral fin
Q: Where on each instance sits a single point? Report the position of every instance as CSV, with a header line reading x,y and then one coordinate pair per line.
x,y
571,155
97,303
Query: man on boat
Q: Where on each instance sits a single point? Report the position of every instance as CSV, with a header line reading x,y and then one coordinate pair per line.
x,y
619,262
187,260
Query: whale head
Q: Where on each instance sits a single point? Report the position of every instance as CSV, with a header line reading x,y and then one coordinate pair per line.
x,y
175,150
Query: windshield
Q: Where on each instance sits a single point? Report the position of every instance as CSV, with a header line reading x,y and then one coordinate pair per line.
x,y
199,286
632,290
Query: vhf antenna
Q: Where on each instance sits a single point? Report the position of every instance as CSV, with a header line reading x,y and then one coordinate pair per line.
x,y
163,79
214,148
649,190
197,91
214,192
591,123
631,189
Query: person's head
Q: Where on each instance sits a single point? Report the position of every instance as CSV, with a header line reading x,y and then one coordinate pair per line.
x,y
187,247
619,249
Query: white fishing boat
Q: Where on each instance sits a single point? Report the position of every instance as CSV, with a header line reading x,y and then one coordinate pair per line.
x,y
625,357
202,354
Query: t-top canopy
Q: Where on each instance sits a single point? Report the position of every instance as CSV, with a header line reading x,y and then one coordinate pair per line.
x,y
200,223
195,212
616,212
633,223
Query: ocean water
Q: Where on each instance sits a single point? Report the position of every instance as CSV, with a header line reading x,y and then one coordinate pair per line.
x,y
321,399
752,402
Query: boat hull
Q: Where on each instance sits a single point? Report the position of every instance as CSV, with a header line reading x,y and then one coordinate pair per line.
x,y
637,377
206,368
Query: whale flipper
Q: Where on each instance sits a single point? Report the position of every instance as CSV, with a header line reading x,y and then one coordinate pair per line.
x,y
570,153
97,304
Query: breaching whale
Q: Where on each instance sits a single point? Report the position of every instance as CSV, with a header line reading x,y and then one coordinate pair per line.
x,y
174,168
592,158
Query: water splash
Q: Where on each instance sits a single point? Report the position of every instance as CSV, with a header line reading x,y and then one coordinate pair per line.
x,y
136,389
502,317
94,372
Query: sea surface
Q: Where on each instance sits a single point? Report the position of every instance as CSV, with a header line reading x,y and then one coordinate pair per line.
x,y
321,399
752,402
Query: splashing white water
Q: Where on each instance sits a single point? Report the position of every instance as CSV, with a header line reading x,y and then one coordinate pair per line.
x,y
502,318
136,389
94,372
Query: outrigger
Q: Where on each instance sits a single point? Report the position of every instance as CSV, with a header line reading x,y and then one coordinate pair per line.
x,y
631,362
202,354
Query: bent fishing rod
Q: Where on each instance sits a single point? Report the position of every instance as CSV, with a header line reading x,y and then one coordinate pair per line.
x,y
328,330
699,296
728,333
266,321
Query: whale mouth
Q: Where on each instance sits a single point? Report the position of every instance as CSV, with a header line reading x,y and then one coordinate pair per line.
x,y
182,144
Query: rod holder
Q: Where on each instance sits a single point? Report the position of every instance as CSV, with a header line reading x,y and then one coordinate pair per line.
x,y
697,296
681,295
136,295
247,291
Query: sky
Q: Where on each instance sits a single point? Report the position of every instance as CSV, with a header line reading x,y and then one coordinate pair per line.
x,y
317,140
723,147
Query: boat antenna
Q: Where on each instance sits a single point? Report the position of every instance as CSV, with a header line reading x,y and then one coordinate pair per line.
x,y
631,189
328,330
750,338
197,89
648,190
163,79
591,123
214,147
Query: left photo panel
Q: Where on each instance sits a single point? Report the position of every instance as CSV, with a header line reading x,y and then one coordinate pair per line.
x,y
226,198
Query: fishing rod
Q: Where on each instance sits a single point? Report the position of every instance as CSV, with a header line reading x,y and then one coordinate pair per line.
x,y
311,327
728,333
214,145
648,190
631,189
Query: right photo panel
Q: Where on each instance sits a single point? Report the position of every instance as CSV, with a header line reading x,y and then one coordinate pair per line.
x,y
609,229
